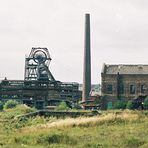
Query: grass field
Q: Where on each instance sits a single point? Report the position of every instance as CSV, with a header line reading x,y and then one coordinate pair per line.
x,y
114,128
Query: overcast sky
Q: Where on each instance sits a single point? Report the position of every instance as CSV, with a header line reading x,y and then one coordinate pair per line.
x,y
119,35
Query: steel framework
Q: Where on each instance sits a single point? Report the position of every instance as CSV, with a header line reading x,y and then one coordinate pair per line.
x,y
37,65
39,88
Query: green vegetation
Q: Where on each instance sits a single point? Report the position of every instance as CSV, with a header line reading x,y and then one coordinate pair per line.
x,y
119,104
10,114
62,107
1,105
145,103
130,104
114,128
10,104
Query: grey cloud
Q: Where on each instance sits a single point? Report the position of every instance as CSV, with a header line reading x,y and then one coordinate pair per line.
x,y
119,34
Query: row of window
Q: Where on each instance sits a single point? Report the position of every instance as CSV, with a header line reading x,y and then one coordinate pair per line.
x,y
132,89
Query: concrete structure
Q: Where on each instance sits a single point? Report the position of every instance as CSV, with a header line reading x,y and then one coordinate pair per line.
x,y
124,82
87,61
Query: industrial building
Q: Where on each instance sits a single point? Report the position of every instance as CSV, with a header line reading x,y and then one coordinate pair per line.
x,y
124,82
39,87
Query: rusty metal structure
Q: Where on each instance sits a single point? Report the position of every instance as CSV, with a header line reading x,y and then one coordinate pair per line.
x,y
39,88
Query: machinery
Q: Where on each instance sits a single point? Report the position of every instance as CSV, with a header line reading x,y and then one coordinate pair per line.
x,y
37,65
39,88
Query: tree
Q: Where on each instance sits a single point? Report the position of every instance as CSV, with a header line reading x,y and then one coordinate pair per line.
x,y
130,105
10,104
145,103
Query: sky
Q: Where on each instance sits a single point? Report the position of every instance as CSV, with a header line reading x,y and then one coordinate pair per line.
x,y
119,35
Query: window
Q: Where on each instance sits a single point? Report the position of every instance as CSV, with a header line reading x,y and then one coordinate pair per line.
x,y
121,89
132,89
109,89
143,88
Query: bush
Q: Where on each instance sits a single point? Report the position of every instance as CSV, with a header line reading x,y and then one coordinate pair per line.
x,y
62,107
145,104
130,105
1,105
10,104
119,104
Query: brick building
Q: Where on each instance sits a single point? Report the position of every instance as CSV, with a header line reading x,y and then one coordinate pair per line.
x,y
124,82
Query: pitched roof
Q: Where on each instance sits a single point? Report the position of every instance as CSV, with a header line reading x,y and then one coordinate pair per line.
x,y
126,69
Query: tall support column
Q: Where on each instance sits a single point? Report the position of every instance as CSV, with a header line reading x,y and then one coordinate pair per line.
x,y
87,60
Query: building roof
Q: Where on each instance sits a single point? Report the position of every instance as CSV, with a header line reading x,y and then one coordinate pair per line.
x,y
125,69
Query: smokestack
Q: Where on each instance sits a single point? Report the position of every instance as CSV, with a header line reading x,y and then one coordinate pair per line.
x,y
87,61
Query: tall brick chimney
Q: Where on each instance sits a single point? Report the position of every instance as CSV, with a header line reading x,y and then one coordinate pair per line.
x,y
87,60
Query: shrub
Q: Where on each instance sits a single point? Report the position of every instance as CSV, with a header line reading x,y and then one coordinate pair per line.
x,y
10,104
1,105
130,105
62,107
145,104
119,104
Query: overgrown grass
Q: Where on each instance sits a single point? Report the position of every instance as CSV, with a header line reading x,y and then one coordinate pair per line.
x,y
114,128
8,114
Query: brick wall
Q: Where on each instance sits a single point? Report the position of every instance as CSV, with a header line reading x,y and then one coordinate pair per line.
x,y
139,81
